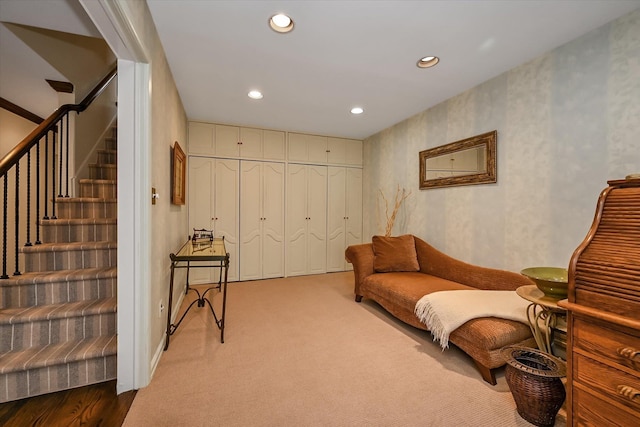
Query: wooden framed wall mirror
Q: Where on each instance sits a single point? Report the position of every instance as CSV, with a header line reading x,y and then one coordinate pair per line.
x,y
465,162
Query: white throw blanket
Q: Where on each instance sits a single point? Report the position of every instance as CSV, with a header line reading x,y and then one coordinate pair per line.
x,y
443,312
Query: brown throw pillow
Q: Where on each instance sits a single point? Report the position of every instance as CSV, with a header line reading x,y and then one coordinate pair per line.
x,y
394,254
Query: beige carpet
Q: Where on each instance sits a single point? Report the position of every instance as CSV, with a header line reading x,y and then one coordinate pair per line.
x,y
301,352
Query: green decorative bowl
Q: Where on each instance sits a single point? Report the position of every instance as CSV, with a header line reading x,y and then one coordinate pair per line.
x,y
552,281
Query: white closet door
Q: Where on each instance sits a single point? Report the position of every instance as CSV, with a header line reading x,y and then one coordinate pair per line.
x,y
201,206
251,221
273,145
227,138
296,220
251,142
317,148
353,210
202,138
317,223
227,200
336,218
273,224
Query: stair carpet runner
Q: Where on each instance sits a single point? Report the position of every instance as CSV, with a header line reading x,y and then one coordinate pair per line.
x,y
58,319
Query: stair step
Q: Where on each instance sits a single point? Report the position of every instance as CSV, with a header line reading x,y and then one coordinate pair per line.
x,y
57,367
112,142
79,230
36,289
22,328
103,171
107,156
69,256
102,188
86,207
55,354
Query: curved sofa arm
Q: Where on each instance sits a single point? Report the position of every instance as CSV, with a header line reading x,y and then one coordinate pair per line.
x,y
361,256
436,263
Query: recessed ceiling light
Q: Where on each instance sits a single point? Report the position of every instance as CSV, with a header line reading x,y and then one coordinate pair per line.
x,y
255,94
357,110
281,23
428,62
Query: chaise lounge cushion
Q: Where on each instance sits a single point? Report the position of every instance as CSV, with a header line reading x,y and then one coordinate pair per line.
x,y
395,254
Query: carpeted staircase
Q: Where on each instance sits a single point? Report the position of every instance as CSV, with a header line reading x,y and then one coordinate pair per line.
x,y
58,319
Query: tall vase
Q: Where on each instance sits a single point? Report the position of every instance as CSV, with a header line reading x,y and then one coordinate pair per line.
x,y
534,378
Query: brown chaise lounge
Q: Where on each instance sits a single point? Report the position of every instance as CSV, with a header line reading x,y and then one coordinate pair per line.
x,y
398,292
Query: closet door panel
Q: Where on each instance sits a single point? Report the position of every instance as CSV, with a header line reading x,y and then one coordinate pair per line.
x,y
336,150
317,148
353,152
226,193
201,206
298,147
273,239
250,221
336,218
354,210
202,138
317,223
227,138
354,206
273,145
251,142
297,220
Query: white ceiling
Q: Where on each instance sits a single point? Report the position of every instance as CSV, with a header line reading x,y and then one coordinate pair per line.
x,y
23,72
340,54
347,53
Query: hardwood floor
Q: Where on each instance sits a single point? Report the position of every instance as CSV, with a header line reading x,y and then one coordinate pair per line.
x,y
90,406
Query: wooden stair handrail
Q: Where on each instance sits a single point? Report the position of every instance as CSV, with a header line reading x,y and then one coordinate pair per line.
x,y
17,152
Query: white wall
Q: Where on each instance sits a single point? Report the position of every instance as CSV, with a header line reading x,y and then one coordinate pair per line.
x,y
13,129
567,122
168,227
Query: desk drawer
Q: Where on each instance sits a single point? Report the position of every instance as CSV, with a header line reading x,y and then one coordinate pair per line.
x,y
594,411
617,346
618,385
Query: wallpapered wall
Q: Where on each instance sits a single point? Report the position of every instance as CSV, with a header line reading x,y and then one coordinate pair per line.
x,y
567,122
168,227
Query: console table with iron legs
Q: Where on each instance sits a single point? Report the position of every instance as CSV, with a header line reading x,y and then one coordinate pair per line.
x,y
208,254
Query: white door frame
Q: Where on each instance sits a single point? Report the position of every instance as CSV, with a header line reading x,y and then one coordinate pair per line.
x,y
113,20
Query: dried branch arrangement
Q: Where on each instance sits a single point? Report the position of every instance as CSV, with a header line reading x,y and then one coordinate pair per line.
x,y
401,195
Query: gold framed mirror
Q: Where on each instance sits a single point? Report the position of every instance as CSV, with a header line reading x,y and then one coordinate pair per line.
x,y
465,162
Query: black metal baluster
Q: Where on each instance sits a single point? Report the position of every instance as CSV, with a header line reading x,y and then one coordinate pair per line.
x,y
28,242
53,177
17,218
46,176
61,154
67,172
4,230
38,242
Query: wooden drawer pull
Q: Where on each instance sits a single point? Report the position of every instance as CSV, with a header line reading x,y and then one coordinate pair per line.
x,y
629,353
629,392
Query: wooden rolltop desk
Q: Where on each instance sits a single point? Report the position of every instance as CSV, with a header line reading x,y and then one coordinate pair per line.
x,y
603,305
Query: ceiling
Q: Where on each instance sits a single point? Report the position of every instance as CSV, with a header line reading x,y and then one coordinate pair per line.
x,y
22,71
341,54
353,53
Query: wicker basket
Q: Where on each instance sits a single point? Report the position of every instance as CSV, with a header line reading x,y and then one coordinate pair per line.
x,y
534,380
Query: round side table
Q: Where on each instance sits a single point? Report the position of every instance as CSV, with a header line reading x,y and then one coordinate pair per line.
x,y
543,314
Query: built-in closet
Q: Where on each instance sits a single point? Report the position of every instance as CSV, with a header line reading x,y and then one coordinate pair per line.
x,y
287,203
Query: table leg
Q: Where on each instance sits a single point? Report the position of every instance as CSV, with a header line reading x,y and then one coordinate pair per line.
x,y
224,297
166,344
